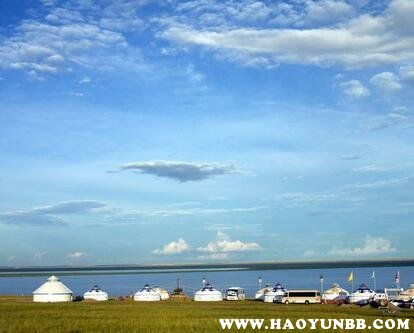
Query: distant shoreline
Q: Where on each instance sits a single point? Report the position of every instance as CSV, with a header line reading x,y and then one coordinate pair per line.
x,y
175,268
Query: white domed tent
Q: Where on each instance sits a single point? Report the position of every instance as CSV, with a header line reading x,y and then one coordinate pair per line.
x,y
52,291
271,296
163,293
335,294
259,296
362,295
147,294
208,294
96,294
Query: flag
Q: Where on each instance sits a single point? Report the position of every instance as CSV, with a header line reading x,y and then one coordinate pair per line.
x,y
321,278
397,277
373,275
351,277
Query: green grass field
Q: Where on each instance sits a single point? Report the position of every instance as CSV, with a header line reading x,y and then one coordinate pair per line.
x,y
20,314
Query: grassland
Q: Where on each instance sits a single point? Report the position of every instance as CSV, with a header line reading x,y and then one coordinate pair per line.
x,y
20,314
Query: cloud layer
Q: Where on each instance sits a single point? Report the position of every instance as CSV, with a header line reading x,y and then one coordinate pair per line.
x,y
73,34
367,40
49,215
371,246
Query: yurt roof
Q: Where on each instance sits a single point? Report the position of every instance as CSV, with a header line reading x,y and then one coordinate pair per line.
x,y
363,287
207,287
335,289
95,288
278,286
53,286
147,288
208,292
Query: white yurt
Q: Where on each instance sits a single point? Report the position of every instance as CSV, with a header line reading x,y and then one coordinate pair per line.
x,y
96,294
362,295
147,294
259,296
208,294
335,294
278,291
52,291
163,293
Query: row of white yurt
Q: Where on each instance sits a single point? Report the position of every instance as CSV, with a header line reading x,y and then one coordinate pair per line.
x,y
53,290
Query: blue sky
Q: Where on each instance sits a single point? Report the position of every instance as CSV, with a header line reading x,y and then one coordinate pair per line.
x,y
205,131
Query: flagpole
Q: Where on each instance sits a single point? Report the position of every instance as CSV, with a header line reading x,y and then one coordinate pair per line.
x,y
397,280
321,280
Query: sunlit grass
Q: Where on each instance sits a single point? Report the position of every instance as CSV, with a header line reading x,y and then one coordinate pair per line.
x,y
20,314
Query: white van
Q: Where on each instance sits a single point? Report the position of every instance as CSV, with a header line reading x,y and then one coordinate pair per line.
x,y
301,297
235,294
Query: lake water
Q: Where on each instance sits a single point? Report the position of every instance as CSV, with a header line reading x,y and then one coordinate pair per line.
x,y
117,284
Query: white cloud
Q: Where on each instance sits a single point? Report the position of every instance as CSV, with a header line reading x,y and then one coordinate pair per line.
x,y
174,247
30,218
309,253
371,246
180,211
76,255
361,41
407,74
85,80
351,194
382,183
67,45
180,171
224,244
350,157
386,81
48,2
392,119
49,215
214,256
325,11
68,37
400,110
371,168
354,88
39,256
75,94
401,13
71,207
193,75
303,198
